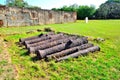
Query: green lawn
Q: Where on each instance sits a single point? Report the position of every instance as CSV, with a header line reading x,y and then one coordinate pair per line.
x,y
104,65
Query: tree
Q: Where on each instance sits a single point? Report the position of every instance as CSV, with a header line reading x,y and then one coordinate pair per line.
x,y
82,11
17,3
110,1
109,10
85,11
20,3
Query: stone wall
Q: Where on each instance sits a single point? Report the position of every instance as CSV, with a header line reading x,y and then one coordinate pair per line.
x,y
13,16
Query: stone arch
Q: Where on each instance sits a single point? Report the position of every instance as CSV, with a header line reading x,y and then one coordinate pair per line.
x,y
65,16
50,16
33,15
1,23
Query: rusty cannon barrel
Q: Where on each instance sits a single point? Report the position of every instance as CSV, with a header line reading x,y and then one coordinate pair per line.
x,y
41,39
48,45
81,52
54,38
22,40
69,51
37,40
69,44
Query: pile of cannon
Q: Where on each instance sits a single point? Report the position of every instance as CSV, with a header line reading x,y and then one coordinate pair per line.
x,y
59,46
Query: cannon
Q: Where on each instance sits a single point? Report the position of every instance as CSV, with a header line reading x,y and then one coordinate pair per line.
x,y
48,45
55,38
81,52
59,46
42,53
37,40
42,39
22,40
69,51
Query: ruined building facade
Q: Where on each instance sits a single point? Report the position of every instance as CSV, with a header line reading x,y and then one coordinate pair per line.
x,y
13,16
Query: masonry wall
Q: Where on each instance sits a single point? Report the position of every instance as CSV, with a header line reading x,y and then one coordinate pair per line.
x,y
13,16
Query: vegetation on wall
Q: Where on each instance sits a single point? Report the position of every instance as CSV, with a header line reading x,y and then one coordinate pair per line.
x,y
20,3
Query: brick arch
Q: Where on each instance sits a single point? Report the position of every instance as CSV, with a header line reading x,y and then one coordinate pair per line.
x,y
1,23
50,16
65,16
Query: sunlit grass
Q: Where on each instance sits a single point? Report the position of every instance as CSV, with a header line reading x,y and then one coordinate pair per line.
x,y
103,65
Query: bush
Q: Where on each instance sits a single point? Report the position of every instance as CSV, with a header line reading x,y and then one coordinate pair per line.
x,y
48,29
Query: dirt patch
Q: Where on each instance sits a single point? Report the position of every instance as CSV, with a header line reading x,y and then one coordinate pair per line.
x,y
7,69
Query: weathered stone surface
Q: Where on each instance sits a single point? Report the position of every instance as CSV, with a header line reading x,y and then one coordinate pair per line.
x,y
13,16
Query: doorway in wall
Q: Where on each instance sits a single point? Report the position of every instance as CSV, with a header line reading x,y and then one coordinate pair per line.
x,y
1,23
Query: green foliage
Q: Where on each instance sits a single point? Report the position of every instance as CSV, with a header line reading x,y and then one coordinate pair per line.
x,y
48,29
0,49
85,11
20,3
109,10
33,7
82,11
73,7
3,62
17,3
110,1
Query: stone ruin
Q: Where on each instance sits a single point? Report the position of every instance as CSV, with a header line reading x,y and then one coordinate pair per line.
x,y
14,16
58,46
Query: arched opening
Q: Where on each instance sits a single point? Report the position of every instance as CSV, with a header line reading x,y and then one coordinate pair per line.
x,y
1,23
33,15
65,16
50,15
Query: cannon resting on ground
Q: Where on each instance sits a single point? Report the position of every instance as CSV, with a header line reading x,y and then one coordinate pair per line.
x,y
58,46
82,52
48,45
69,51
22,40
69,44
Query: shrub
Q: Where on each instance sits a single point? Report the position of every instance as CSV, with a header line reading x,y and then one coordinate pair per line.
x,y
48,29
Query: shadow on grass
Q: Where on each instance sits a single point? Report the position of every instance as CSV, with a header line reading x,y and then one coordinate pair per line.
x,y
36,58
25,53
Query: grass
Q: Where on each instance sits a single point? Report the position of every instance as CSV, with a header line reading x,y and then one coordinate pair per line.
x,y
104,65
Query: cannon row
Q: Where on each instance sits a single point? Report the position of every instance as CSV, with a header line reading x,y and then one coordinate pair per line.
x,y
58,46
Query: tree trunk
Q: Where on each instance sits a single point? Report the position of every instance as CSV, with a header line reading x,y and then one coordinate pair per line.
x,y
81,52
